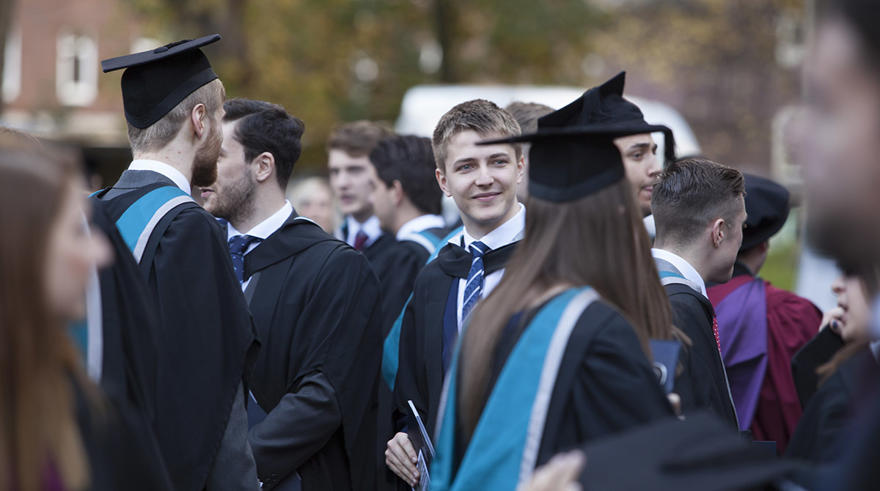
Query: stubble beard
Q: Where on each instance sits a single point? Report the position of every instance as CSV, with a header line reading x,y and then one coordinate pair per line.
x,y
204,167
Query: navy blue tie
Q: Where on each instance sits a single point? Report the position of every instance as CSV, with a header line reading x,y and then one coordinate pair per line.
x,y
238,245
473,288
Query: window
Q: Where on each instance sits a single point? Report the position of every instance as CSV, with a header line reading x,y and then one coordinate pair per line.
x,y
76,77
12,66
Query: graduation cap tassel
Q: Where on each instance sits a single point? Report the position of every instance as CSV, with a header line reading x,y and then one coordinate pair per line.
x,y
668,146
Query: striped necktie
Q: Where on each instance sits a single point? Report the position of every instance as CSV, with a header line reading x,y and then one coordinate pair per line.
x,y
473,289
238,245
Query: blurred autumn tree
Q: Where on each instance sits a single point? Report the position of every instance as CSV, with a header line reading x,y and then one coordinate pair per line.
x,y
328,61
337,60
728,66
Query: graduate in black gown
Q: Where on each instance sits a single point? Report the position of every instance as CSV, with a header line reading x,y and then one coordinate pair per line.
x,y
482,181
844,380
558,354
408,202
315,303
67,434
353,180
699,212
840,177
206,342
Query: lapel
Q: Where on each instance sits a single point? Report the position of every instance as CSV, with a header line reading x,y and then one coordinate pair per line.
x,y
296,235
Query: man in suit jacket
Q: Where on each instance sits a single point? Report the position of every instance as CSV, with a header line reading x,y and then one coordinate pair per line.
x,y
699,211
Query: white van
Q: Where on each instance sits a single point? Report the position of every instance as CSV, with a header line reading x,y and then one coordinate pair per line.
x,y
423,105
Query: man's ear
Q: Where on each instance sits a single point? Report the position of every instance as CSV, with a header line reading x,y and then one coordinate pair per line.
x,y
199,119
264,166
520,168
718,232
397,187
441,181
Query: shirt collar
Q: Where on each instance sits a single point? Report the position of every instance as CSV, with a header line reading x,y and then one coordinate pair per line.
x,y
506,233
419,224
683,267
371,227
166,170
268,226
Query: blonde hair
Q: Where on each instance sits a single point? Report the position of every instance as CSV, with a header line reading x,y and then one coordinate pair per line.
x,y
478,115
159,134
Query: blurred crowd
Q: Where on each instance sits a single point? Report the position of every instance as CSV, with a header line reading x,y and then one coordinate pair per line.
x,y
530,299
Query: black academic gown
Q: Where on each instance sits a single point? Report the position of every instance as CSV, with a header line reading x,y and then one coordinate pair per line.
x,y
315,303
434,308
128,375
205,342
809,358
605,383
818,437
702,383
397,267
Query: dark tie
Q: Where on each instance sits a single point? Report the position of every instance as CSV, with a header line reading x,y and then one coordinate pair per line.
x,y
473,289
238,245
360,240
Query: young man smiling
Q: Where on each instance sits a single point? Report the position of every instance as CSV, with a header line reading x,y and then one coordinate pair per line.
x,y
482,180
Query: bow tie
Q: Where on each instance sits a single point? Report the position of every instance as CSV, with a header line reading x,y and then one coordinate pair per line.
x,y
456,261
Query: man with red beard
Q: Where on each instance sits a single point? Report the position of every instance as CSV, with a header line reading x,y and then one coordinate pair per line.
x,y
173,103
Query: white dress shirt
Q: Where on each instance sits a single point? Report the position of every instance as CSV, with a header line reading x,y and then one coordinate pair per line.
x,y
508,232
263,230
166,170
371,227
683,267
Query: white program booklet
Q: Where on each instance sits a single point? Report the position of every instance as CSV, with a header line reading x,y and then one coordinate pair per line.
x,y
418,435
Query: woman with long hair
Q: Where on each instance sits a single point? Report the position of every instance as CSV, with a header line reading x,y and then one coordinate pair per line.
x,y
845,380
559,353
46,255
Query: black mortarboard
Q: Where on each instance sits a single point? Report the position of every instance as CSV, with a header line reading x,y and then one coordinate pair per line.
x,y
155,81
698,453
605,107
573,153
767,205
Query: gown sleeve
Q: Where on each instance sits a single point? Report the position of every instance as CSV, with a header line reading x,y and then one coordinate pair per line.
x,y
616,384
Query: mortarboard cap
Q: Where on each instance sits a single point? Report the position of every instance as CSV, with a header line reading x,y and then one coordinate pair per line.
x,y
570,163
573,153
699,453
767,205
156,81
605,106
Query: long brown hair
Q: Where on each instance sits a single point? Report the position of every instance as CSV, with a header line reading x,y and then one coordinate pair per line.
x,y
598,241
37,359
